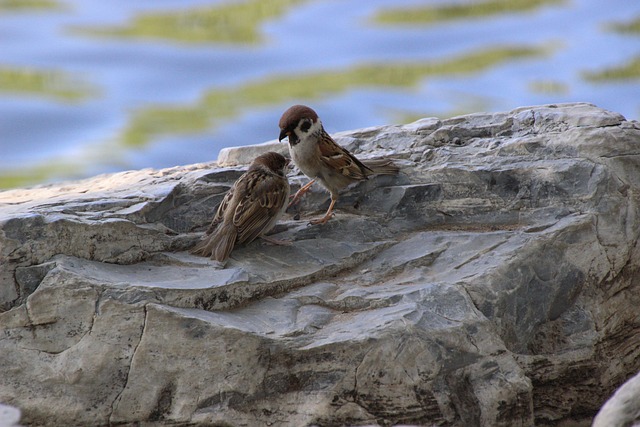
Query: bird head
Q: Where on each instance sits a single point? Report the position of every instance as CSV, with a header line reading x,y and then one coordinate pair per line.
x,y
274,161
297,123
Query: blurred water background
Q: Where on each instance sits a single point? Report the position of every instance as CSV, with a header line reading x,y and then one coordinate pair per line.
x,y
94,86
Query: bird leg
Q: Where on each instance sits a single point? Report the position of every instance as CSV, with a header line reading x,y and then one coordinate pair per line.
x,y
296,197
326,216
278,242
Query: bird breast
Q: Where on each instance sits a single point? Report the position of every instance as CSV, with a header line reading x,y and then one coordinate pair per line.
x,y
306,156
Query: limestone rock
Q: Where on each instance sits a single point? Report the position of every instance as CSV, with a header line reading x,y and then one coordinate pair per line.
x,y
623,408
9,416
493,282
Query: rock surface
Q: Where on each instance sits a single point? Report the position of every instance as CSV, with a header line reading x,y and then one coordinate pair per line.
x,y
9,416
623,408
494,282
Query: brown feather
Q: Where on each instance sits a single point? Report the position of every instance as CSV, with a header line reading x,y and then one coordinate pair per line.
x,y
339,158
382,167
219,216
225,243
250,208
217,245
255,212
319,157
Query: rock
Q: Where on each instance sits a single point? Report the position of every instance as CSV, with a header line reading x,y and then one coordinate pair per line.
x,y
623,408
493,282
234,156
9,416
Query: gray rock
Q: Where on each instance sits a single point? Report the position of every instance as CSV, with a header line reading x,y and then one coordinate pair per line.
x,y
493,282
623,408
9,416
234,156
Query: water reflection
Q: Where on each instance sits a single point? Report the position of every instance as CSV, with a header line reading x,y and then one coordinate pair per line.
x,y
88,86
631,27
54,84
548,87
220,105
28,5
430,14
627,71
224,23
630,70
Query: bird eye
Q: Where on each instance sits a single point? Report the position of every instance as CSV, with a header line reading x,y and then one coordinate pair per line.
x,y
306,124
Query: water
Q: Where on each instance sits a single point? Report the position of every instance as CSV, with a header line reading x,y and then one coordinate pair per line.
x,y
89,86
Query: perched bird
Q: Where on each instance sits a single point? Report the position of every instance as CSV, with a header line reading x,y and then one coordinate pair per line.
x,y
320,158
249,209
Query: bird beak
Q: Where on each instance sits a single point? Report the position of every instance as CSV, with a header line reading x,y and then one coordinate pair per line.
x,y
283,134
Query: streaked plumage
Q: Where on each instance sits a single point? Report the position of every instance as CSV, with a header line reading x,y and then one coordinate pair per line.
x,y
250,208
320,158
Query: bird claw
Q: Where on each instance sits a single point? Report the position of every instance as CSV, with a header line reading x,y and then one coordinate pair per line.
x,y
295,199
301,192
277,242
322,220
293,203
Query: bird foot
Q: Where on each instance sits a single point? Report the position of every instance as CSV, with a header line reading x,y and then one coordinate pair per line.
x,y
301,192
322,220
295,199
293,202
278,242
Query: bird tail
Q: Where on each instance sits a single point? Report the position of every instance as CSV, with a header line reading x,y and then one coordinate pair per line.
x,y
217,245
382,167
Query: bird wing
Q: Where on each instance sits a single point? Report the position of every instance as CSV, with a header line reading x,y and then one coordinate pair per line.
x,y
262,202
339,158
222,208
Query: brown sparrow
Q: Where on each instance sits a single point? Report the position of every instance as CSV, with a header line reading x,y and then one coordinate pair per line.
x,y
320,158
249,209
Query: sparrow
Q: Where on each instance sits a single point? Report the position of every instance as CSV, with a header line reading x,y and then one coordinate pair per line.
x,y
250,208
320,158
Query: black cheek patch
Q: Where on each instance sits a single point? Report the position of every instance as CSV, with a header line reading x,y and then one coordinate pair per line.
x,y
304,127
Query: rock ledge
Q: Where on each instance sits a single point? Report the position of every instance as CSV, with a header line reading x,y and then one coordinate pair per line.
x,y
494,282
